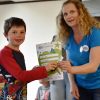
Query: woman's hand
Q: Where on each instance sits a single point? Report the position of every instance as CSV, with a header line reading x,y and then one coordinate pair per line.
x,y
74,91
65,66
51,66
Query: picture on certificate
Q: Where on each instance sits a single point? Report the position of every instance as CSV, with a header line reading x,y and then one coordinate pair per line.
x,y
48,52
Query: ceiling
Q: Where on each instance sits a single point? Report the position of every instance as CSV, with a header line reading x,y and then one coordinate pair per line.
x,y
2,2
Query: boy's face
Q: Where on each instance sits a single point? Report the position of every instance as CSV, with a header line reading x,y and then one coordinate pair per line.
x,y
16,36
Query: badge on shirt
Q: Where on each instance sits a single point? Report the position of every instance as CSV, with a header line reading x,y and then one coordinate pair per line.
x,y
84,48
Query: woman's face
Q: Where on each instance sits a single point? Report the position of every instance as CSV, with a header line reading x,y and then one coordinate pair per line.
x,y
71,15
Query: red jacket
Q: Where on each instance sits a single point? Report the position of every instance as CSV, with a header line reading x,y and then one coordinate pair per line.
x,y
9,63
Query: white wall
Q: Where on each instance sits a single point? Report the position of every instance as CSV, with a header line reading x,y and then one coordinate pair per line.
x,y
93,6
41,26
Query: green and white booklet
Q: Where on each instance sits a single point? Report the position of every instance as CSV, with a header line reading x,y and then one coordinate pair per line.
x,y
48,52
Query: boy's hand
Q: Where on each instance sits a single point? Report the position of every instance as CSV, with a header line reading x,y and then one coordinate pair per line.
x,y
51,66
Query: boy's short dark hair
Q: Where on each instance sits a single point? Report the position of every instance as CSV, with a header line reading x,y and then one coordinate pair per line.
x,y
13,21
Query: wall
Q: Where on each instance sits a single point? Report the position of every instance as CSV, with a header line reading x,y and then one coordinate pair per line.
x,y
93,6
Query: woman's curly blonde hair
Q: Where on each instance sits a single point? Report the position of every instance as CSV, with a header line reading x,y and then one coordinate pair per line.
x,y
86,21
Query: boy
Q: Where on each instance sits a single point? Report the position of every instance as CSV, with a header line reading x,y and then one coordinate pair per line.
x,y
12,64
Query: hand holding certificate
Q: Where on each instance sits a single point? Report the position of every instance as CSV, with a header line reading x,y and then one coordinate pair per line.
x,y
50,52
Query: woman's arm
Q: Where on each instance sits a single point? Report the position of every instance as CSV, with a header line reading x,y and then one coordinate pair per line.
x,y
73,87
92,66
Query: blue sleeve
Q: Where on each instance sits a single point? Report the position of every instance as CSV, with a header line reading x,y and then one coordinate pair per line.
x,y
95,37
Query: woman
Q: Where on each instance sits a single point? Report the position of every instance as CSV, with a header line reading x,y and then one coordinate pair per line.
x,y
80,34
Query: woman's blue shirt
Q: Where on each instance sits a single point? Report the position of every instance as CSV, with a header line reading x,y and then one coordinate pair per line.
x,y
79,54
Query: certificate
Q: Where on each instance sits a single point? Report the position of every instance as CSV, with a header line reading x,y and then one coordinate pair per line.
x,y
48,52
